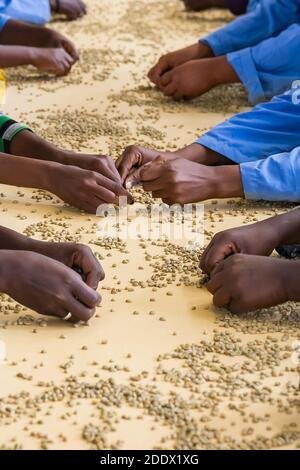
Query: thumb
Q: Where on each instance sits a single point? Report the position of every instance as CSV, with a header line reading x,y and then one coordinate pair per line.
x,y
218,254
70,49
134,179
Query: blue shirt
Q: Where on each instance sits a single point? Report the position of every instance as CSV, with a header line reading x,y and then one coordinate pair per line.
x,y
269,18
3,20
31,11
3,17
265,143
263,47
269,68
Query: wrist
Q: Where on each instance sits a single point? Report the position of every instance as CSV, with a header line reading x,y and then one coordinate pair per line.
x,y
228,182
6,257
222,72
49,175
64,157
204,50
34,55
290,280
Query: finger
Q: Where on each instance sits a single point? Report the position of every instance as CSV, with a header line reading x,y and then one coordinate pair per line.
x,y
154,170
215,283
68,59
219,267
62,70
74,13
217,253
88,263
83,7
71,50
154,186
79,311
164,195
107,169
167,201
133,179
170,89
166,79
237,307
103,194
94,277
126,162
66,69
177,96
115,188
86,295
151,73
222,298
204,257
156,72
112,167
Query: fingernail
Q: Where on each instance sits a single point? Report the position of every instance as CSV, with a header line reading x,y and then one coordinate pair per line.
x,y
128,185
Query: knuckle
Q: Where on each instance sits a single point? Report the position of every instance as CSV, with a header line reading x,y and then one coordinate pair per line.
x,y
82,248
132,148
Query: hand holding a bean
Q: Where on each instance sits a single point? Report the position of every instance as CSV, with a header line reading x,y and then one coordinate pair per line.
x,y
84,189
54,61
75,256
102,164
245,283
255,239
133,160
46,286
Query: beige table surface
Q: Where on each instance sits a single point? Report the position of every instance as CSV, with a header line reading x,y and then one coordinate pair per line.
x,y
218,393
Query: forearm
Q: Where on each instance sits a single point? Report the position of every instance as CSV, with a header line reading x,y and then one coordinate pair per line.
x,y
6,256
11,56
200,154
11,240
28,144
25,172
286,227
24,34
292,281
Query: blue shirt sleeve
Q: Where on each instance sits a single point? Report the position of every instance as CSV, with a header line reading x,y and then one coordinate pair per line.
x,y
31,11
273,179
269,18
3,20
269,68
268,129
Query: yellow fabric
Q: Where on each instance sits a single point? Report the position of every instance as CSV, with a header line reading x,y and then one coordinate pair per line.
x,y
2,86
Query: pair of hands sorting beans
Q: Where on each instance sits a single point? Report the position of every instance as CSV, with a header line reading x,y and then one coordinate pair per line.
x,y
61,279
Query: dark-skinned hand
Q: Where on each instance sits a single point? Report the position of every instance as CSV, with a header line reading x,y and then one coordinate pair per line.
x,y
46,286
72,9
173,59
255,239
85,189
245,283
75,256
